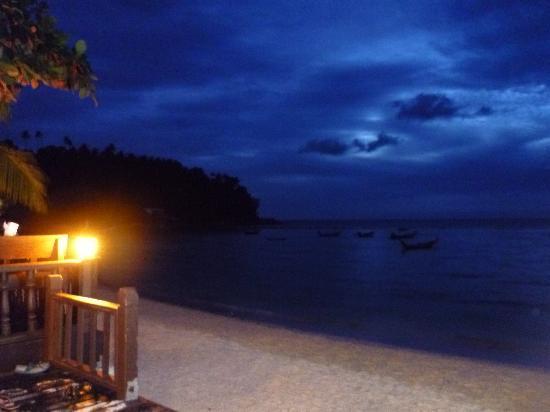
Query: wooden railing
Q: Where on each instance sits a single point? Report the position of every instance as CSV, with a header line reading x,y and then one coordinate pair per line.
x,y
24,263
92,337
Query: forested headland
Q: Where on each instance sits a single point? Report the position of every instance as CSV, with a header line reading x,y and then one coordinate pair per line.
x,y
107,188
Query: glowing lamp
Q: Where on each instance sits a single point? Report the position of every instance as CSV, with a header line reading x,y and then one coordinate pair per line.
x,y
86,247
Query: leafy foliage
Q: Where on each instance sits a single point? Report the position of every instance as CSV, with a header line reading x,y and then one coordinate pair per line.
x,y
21,181
34,52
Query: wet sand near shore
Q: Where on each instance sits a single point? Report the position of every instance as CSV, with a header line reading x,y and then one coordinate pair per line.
x,y
197,361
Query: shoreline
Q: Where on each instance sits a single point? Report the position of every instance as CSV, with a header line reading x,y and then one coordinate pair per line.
x,y
380,329
203,361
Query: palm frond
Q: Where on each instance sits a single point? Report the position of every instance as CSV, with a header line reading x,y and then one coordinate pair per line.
x,y
21,180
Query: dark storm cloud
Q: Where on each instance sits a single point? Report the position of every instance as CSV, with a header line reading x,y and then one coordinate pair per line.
x,y
335,147
427,106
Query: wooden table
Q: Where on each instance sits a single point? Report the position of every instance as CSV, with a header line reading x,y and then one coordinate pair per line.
x,y
59,389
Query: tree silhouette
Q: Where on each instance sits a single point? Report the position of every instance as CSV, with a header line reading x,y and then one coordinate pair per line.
x,y
90,179
67,141
25,137
39,137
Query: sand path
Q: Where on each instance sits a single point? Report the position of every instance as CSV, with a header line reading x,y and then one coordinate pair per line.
x,y
196,361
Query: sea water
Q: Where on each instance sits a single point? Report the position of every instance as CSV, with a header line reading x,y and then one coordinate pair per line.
x,y
483,291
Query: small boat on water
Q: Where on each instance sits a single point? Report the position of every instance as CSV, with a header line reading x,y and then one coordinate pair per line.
x,y
365,234
329,233
424,245
403,234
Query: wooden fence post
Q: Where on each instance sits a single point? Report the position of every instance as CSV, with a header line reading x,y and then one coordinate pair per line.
x,y
5,327
126,345
87,279
31,301
52,328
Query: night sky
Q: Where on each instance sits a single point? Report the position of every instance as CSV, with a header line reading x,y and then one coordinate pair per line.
x,y
323,109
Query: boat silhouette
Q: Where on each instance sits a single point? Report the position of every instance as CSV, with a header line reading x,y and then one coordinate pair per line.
x,y
424,245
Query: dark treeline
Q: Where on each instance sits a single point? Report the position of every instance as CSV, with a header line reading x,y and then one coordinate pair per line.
x,y
108,187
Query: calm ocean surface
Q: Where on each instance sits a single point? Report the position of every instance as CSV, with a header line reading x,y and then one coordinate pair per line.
x,y
482,292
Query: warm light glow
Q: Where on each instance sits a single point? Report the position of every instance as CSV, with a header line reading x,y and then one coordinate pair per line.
x,y
86,247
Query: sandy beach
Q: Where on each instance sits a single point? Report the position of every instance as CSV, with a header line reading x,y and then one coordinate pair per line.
x,y
196,361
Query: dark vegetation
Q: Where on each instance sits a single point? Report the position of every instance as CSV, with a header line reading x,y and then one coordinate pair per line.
x,y
109,189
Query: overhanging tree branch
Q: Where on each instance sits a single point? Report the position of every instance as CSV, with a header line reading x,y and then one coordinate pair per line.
x,y
34,52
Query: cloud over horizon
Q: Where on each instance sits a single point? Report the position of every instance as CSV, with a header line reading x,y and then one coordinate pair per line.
x,y
252,89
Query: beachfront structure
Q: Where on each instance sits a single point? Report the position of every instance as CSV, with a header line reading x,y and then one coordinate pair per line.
x,y
25,262
83,339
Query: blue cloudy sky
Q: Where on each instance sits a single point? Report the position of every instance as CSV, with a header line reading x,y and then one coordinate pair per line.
x,y
323,109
